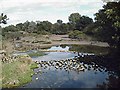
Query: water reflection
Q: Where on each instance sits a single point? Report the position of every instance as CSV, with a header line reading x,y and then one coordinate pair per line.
x,y
112,82
68,70
55,56
66,48
87,49
67,73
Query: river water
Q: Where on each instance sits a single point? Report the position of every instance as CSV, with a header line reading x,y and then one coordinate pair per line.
x,y
69,74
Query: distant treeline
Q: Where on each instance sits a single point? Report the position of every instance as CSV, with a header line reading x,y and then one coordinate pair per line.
x,y
76,22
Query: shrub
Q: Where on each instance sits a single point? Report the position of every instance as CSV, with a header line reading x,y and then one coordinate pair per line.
x,y
76,34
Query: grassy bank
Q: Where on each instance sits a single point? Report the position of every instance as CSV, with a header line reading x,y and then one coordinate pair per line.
x,y
17,73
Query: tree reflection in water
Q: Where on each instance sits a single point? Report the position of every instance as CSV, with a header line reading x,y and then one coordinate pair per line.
x,y
95,62
107,63
113,82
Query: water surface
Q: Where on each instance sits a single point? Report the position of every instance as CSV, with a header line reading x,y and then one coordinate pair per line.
x,y
69,73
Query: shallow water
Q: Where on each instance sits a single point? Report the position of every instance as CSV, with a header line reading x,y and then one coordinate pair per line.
x,y
60,78
67,75
55,56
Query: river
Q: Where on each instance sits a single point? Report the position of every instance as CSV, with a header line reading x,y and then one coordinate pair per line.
x,y
63,70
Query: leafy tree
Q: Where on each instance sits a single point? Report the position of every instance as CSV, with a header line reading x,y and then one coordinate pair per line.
x,y
84,21
78,22
10,28
25,26
108,20
60,28
3,18
31,27
74,18
55,28
19,26
44,26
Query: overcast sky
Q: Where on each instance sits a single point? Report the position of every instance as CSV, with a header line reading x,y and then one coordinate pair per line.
x,y
51,10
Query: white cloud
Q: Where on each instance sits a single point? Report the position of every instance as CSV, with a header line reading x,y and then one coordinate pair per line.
x,y
22,10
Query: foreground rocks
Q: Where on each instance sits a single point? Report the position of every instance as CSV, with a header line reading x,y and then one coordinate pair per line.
x,y
69,64
13,57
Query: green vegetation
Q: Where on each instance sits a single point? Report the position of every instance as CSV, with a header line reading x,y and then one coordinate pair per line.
x,y
76,34
107,25
76,22
33,66
17,73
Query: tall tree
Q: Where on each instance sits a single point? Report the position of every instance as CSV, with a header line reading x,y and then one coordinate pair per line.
x,y
78,22
108,20
74,18
84,21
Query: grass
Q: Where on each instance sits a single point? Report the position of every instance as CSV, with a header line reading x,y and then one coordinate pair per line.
x,y
33,66
18,72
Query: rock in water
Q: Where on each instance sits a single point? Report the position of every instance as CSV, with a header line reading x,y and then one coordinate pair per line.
x,y
36,78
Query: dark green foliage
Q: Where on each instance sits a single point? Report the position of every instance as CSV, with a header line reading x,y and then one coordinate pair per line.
x,y
78,22
84,21
44,26
3,18
108,21
60,28
74,18
76,34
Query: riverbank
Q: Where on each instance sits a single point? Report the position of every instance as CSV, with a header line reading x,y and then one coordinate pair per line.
x,y
46,41
64,39
17,73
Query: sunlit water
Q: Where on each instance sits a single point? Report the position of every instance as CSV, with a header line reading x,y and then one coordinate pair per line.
x,y
51,77
55,56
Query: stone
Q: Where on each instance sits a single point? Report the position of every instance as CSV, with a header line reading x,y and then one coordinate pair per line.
x,y
36,78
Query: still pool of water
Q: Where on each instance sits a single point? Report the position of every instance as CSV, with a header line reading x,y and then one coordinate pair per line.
x,y
57,78
55,56
67,75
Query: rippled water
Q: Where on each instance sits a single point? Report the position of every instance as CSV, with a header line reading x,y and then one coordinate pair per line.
x,y
66,76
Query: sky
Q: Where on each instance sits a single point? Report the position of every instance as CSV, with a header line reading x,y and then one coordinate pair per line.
x,y
41,10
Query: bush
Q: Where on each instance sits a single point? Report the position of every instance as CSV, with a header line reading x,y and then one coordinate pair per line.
x,y
76,34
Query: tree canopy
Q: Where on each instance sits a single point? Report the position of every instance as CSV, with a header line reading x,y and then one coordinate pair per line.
x,y
79,22
108,22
